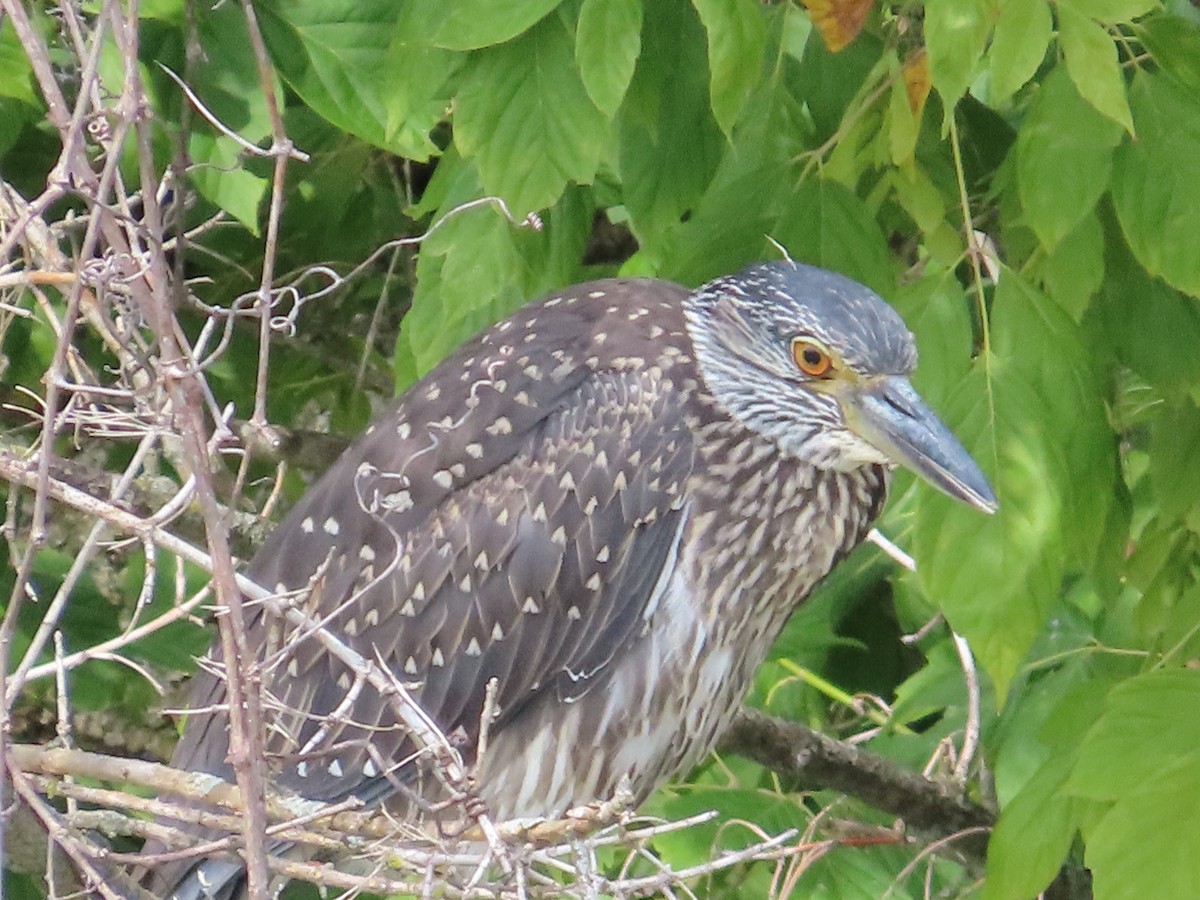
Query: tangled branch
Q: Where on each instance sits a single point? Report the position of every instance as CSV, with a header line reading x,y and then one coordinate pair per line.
x,y
396,858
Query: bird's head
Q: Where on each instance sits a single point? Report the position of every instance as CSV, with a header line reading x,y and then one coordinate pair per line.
x,y
819,364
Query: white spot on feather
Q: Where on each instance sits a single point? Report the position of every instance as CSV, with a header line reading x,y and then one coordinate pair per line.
x,y
398,501
501,426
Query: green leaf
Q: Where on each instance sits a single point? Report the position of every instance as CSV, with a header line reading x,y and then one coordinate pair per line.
x,y
1165,614
737,37
338,56
956,31
1150,327
1146,845
1031,415
728,224
1174,42
1174,475
227,81
466,272
1062,126
227,78
902,124
1148,725
173,11
1000,600
1085,446
1074,270
862,144
936,311
1042,720
477,266
16,75
1032,836
826,224
1112,11
471,24
1092,61
1023,31
608,39
523,114
14,115
1142,755
219,177
670,145
920,198
829,83
1156,182
934,688
418,96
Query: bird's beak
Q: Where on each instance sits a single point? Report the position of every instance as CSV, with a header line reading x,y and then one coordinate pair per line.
x,y
890,415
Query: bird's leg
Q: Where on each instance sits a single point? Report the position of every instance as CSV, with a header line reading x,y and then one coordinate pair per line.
x,y
466,796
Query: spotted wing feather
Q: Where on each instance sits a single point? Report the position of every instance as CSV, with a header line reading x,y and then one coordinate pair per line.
x,y
508,520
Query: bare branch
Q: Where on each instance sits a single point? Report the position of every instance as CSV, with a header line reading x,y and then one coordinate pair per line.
x,y
803,755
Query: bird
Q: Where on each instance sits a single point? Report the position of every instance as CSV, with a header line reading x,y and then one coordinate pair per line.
x,y
606,506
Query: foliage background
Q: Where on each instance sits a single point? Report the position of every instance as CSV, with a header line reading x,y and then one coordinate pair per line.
x,y
1020,177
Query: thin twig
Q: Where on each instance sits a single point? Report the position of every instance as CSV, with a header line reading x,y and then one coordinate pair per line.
x,y
970,745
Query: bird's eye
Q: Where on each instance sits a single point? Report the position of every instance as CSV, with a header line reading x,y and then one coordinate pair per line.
x,y
812,358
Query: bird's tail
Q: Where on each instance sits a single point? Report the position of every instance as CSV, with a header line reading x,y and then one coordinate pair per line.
x,y
222,878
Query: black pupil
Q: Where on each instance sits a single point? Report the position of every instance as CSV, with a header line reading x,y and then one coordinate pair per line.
x,y
812,356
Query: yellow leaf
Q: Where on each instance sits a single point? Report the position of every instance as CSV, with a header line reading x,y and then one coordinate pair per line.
x,y
839,21
917,81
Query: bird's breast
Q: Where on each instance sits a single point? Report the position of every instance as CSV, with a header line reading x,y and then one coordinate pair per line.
x,y
661,707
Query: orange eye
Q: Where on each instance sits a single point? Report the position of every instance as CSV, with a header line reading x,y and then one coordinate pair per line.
x,y
812,358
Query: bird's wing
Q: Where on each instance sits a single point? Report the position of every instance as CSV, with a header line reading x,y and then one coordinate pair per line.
x,y
518,536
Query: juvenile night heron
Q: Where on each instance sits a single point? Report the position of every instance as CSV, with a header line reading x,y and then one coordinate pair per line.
x,y
610,503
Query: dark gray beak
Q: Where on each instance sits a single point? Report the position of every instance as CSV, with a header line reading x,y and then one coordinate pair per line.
x,y
891,416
